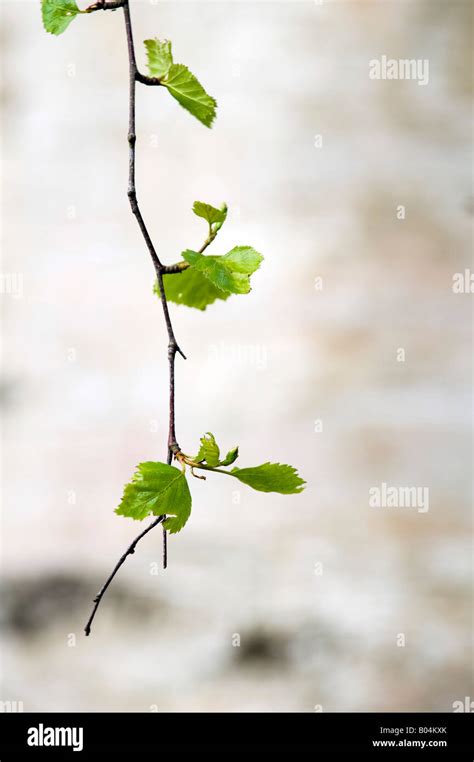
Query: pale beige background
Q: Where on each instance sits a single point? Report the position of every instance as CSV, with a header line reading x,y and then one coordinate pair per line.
x,y
84,383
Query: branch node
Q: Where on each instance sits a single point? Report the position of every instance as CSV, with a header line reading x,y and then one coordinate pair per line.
x,y
152,81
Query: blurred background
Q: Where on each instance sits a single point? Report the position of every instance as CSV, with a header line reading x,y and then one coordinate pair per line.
x,y
351,359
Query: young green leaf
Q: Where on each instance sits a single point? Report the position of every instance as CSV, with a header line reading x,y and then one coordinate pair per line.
x,y
190,93
191,288
210,213
210,278
271,477
157,488
243,259
58,14
159,56
231,272
231,457
209,450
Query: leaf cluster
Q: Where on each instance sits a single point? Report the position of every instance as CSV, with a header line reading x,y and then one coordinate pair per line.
x,y
157,488
205,278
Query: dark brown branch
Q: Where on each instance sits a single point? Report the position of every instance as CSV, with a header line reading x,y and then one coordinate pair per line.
x,y
165,548
102,5
132,194
130,550
173,269
173,347
152,81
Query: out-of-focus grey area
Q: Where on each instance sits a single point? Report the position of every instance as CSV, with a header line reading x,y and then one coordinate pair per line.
x,y
351,359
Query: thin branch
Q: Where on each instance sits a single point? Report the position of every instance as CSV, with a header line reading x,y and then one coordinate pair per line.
x,y
208,241
173,269
152,81
180,266
130,550
160,269
132,195
173,346
165,548
102,5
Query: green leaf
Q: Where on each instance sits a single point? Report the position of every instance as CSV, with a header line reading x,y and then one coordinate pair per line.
x,y
190,93
229,273
231,456
271,477
243,259
209,278
58,14
160,57
210,213
191,288
209,450
191,257
156,489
